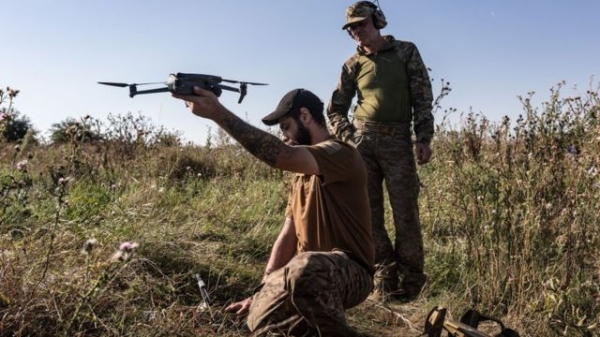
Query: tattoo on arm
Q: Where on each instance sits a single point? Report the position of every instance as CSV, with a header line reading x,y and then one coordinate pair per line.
x,y
261,144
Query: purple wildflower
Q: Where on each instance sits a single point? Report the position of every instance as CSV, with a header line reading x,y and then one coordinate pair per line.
x,y
22,165
128,246
125,252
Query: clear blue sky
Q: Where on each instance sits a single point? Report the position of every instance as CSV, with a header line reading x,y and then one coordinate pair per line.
x,y
491,51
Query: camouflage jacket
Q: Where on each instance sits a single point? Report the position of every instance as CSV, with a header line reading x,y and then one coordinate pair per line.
x,y
419,87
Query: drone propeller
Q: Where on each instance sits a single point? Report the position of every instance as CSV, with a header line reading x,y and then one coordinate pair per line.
x,y
123,85
241,82
253,83
114,84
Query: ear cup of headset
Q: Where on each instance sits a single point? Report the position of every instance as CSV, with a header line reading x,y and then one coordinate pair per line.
x,y
378,18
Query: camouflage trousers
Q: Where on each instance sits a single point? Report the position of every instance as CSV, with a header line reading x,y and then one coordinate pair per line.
x,y
387,151
308,296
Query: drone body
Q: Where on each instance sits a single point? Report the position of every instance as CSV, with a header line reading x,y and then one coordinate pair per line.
x,y
184,84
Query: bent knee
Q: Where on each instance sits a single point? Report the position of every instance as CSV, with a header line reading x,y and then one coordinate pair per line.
x,y
309,272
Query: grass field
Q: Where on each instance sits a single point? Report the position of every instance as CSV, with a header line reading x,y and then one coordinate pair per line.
x,y
509,213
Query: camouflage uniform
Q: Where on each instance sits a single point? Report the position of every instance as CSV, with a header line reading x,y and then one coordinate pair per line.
x,y
384,141
308,296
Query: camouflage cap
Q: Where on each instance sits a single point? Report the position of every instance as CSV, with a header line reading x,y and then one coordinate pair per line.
x,y
358,12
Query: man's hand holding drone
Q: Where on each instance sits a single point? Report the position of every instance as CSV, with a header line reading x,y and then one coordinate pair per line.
x,y
204,103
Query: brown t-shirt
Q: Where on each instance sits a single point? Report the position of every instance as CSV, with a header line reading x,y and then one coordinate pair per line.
x,y
331,211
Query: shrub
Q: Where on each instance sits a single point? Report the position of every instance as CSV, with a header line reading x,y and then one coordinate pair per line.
x,y
70,130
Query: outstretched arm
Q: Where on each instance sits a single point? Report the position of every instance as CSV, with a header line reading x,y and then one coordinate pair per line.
x,y
259,143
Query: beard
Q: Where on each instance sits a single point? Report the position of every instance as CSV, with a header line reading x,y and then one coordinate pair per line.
x,y
303,136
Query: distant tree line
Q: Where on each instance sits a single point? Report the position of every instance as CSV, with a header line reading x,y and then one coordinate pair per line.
x,y
14,127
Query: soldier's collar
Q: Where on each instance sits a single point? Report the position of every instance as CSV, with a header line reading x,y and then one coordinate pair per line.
x,y
387,45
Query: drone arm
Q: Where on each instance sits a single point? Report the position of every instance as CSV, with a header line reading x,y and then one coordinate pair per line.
x,y
226,87
150,91
243,92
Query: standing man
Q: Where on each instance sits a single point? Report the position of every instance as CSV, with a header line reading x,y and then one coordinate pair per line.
x,y
393,91
323,259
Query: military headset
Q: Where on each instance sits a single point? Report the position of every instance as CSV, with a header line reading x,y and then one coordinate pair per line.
x,y
377,15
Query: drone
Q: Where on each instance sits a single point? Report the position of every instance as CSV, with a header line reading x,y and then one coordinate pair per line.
x,y
184,84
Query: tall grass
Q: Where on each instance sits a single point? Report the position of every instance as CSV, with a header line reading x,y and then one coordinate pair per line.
x,y
509,209
512,214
